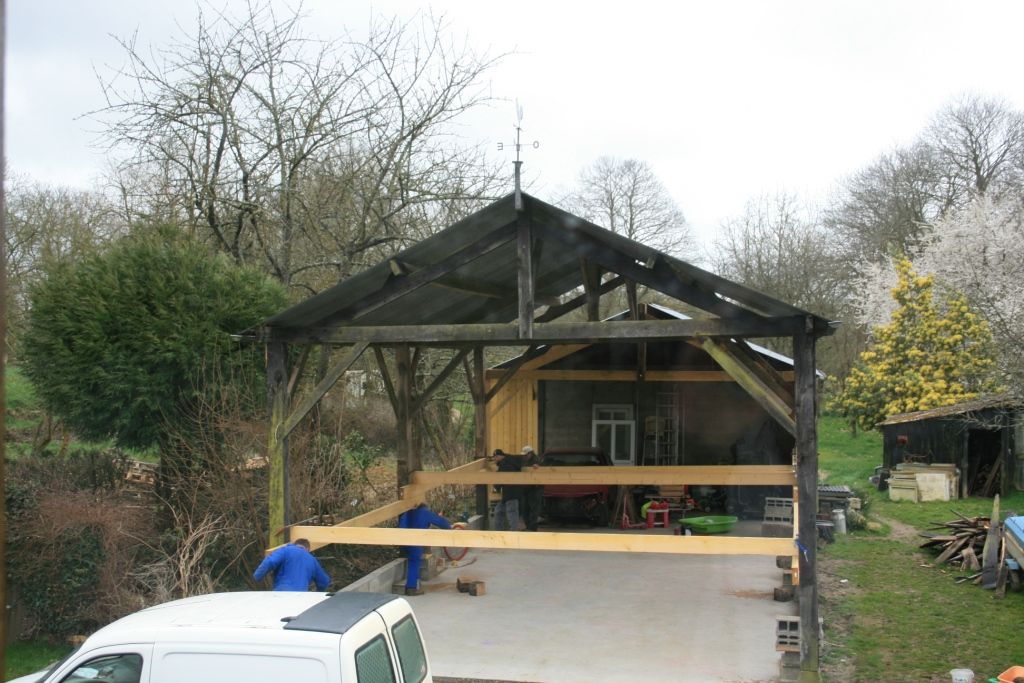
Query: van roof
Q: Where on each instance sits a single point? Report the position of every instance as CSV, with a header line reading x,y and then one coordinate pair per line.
x,y
265,611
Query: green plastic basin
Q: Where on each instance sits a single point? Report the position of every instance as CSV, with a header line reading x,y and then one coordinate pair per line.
x,y
710,524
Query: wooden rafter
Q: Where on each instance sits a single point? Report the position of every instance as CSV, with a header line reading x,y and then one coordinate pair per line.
x,y
509,374
300,366
558,311
385,376
401,286
425,395
752,383
654,273
591,274
760,367
333,375
552,354
454,282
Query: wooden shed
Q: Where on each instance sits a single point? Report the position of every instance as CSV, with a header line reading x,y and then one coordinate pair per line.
x,y
984,438
507,276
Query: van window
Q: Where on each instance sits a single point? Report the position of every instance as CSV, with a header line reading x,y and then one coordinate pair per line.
x,y
126,668
373,662
410,650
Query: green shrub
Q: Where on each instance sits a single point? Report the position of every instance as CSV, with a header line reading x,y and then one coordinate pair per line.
x,y
124,343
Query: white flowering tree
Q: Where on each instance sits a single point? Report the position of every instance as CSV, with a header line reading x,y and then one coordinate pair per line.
x,y
976,251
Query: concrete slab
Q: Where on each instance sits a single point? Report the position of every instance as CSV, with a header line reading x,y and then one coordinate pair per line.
x,y
559,617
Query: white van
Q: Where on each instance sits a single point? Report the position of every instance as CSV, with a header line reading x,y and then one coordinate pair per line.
x,y
264,637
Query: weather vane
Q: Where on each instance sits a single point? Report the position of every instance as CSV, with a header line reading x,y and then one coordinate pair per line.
x,y
518,146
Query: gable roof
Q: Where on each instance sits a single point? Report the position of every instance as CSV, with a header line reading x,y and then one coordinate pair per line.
x,y
469,273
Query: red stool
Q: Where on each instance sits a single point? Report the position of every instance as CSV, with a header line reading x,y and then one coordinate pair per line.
x,y
652,513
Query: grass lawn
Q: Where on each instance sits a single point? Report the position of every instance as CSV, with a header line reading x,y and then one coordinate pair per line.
x,y
25,658
887,617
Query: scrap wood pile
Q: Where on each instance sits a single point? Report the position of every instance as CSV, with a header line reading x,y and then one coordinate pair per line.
x,y
976,547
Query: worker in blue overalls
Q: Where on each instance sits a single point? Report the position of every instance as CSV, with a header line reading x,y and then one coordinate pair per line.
x,y
420,517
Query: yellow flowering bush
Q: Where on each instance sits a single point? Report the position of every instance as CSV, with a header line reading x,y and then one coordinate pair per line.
x,y
927,356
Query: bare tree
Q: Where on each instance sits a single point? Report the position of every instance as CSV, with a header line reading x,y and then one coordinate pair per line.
x,y
974,146
626,197
981,143
46,225
274,145
776,246
887,207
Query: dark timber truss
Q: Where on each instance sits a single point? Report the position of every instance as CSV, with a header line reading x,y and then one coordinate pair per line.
x,y
506,276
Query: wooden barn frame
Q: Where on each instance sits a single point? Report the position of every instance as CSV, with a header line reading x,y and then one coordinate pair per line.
x,y
506,276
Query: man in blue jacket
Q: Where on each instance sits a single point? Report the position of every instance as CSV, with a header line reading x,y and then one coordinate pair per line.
x,y
294,567
420,517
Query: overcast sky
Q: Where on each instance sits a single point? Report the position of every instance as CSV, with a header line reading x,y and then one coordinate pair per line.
x,y
725,100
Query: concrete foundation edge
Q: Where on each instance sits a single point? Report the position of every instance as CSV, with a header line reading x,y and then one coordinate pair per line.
x,y
381,580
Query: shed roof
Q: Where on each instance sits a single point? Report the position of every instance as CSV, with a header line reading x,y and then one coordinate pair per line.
x,y
982,403
470,271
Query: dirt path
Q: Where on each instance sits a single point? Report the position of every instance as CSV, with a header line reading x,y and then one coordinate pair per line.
x,y
900,531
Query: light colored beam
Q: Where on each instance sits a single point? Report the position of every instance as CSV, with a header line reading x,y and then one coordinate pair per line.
x,y
551,355
749,380
549,540
708,475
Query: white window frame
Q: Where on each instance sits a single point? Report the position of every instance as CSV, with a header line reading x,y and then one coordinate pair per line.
x,y
628,421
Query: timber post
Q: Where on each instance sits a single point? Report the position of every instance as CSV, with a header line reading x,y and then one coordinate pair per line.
x,y
403,410
479,393
807,482
277,447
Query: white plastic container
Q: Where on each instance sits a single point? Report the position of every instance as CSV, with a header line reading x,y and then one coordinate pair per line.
x,y
962,675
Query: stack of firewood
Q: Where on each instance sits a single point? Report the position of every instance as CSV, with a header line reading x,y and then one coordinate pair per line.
x,y
960,542
976,547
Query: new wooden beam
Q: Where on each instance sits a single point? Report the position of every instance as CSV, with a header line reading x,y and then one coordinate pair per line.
x,y
498,334
708,475
410,496
548,540
751,382
333,375
551,355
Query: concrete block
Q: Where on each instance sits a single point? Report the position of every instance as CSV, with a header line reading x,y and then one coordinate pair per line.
x,y
787,634
787,577
784,561
478,588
